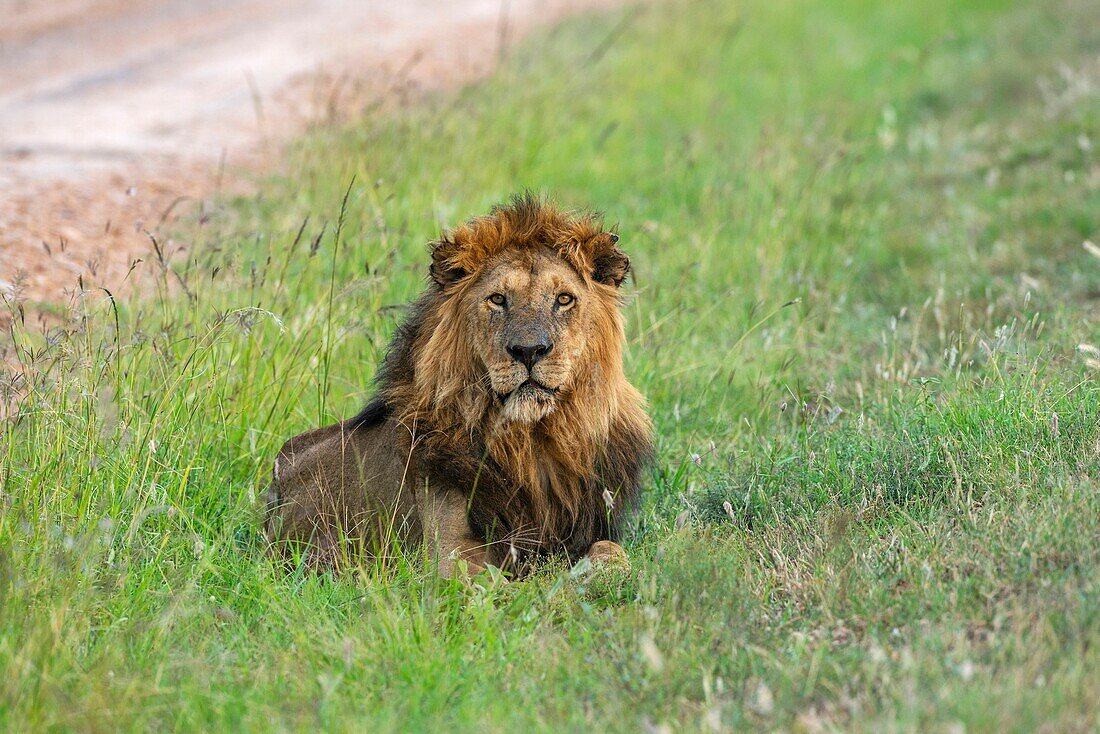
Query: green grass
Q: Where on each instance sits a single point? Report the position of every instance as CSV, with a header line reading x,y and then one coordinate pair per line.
x,y
859,293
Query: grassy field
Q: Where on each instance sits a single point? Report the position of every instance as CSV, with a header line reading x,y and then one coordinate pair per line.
x,y
861,312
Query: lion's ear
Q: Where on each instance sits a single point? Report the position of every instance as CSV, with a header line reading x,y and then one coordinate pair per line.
x,y
611,264
444,270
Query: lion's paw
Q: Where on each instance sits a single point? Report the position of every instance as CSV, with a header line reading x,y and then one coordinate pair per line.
x,y
607,553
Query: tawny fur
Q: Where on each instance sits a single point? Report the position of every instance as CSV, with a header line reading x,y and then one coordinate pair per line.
x,y
552,475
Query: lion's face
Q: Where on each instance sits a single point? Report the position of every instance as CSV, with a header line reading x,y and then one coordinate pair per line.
x,y
525,314
530,314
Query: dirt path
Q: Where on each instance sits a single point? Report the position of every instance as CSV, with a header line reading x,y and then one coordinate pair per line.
x,y
111,110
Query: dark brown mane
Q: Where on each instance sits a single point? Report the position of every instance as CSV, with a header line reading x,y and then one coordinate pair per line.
x,y
534,488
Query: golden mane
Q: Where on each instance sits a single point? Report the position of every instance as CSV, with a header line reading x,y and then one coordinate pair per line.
x,y
538,486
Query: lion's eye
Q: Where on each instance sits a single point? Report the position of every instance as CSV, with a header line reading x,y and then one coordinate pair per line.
x,y
498,299
564,299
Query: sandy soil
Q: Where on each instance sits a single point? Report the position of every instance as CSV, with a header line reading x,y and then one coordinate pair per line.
x,y
117,115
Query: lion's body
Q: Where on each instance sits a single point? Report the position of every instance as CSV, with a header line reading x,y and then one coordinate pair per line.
x,y
500,458
341,492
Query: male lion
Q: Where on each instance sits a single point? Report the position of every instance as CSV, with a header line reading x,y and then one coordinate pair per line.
x,y
503,428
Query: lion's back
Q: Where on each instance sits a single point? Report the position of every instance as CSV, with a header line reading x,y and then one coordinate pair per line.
x,y
336,483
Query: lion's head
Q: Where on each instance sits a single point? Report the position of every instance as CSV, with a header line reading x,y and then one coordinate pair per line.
x,y
528,309
531,316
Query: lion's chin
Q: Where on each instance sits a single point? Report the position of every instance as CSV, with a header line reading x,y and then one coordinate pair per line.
x,y
529,403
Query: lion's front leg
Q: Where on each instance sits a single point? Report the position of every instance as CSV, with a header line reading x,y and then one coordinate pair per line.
x,y
448,535
607,553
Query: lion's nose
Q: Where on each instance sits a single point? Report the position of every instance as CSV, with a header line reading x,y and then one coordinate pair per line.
x,y
529,354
